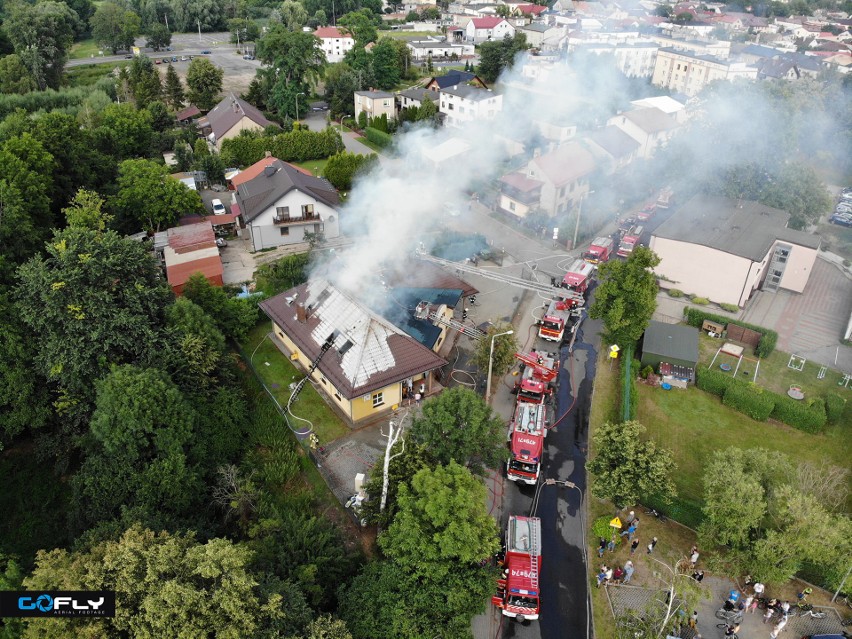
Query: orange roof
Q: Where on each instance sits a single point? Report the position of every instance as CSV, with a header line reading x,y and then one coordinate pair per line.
x,y
184,239
209,267
257,168
330,32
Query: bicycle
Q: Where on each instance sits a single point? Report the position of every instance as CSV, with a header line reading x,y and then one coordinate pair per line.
x,y
729,615
727,627
656,513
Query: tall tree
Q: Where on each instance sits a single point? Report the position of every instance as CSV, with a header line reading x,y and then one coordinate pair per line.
x,y
386,64
144,81
505,347
171,586
244,30
361,24
294,16
340,83
297,59
626,467
458,425
42,34
204,83
159,36
150,197
173,89
115,27
206,15
234,316
627,296
98,291
14,76
26,166
86,211
128,130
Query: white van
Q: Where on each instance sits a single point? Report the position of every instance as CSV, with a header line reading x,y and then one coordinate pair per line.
x,y
218,207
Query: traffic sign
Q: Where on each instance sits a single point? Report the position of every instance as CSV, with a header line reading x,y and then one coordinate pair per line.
x,y
615,523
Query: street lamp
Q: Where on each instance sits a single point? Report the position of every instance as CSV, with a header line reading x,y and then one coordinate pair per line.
x,y
297,105
577,226
491,364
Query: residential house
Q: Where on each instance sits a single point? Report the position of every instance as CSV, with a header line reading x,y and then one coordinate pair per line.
x,y
228,118
778,69
452,78
651,128
672,351
531,11
664,103
484,29
519,194
466,103
725,250
689,73
612,147
374,103
634,59
425,49
189,114
542,36
188,250
334,43
716,48
414,98
279,203
364,364
564,174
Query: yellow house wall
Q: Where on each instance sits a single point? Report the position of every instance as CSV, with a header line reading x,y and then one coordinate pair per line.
x,y
243,125
799,267
363,408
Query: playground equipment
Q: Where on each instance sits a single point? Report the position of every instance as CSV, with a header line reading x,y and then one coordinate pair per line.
x,y
797,363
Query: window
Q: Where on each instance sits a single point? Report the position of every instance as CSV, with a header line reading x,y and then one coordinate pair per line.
x,y
337,396
461,109
511,206
378,399
307,209
285,230
282,212
323,380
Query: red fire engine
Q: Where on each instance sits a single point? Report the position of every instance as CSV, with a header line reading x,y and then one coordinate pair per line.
x,y
518,590
646,213
541,368
630,241
599,251
526,438
578,276
556,317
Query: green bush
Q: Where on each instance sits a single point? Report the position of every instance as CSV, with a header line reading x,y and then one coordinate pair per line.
x,y
808,416
696,316
294,146
701,301
750,400
834,407
714,382
675,292
378,138
731,308
601,528
647,371
635,368
343,167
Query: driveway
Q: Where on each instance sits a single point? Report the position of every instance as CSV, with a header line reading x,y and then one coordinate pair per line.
x,y
810,324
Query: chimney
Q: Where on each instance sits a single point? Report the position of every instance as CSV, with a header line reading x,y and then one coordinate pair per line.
x,y
301,314
267,154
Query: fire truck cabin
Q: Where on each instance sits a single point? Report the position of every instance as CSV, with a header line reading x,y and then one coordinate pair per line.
x,y
526,434
578,276
518,590
557,315
629,241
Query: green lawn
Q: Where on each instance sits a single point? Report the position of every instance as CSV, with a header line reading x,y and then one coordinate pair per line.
x,y
774,373
86,49
316,167
276,369
88,74
372,145
695,424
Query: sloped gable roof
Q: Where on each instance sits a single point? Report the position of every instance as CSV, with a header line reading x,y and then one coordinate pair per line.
x,y
231,110
614,141
487,23
566,164
651,120
276,179
368,352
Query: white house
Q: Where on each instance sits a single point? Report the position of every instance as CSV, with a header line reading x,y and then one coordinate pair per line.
x,y
424,49
334,43
564,177
374,103
650,127
465,103
279,203
484,29
543,36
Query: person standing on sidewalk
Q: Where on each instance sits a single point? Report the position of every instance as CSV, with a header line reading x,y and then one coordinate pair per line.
x,y
652,545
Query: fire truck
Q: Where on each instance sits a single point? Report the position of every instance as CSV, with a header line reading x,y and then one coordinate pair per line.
x,y
556,318
526,440
646,213
630,241
578,276
599,251
518,589
664,200
540,369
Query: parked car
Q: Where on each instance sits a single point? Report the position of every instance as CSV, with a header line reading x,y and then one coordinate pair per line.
x,y
221,242
158,61
183,58
129,56
218,207
843,208
841,220
174,58
248,56
205,52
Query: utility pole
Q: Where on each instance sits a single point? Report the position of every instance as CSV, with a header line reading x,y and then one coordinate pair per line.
x,y
393,435
198,20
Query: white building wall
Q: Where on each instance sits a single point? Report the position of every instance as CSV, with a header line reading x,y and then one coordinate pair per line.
x,y
335,48
265,233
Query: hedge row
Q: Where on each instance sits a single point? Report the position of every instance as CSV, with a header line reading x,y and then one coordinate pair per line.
x,y
750,400
633,403
294,146
768,340
759,404
377,137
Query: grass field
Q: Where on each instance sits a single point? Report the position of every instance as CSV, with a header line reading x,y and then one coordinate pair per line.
x,y
316,167
372,145
278,373
88,74
85,49
774,373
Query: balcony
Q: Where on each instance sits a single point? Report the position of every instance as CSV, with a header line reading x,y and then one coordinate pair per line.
x,y
305,218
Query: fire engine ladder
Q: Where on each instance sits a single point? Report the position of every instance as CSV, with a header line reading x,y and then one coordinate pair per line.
x,y
533,556
422,312
530,285
544,373
329,342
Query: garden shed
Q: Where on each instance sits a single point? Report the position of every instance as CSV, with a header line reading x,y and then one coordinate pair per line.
x,y
671,349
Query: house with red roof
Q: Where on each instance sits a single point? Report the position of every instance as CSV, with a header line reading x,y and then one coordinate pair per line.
x,y
491,28
334,43
192,249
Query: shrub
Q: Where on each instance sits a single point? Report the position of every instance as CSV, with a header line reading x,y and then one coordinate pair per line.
x,y
675,292
601,528
751,400
731,308
808,416
342,167
378,138
696,316
714,382
294,146
834,407
635,367
701,301
647,371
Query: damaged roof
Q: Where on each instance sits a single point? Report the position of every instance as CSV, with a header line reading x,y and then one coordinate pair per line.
x,y
368,353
